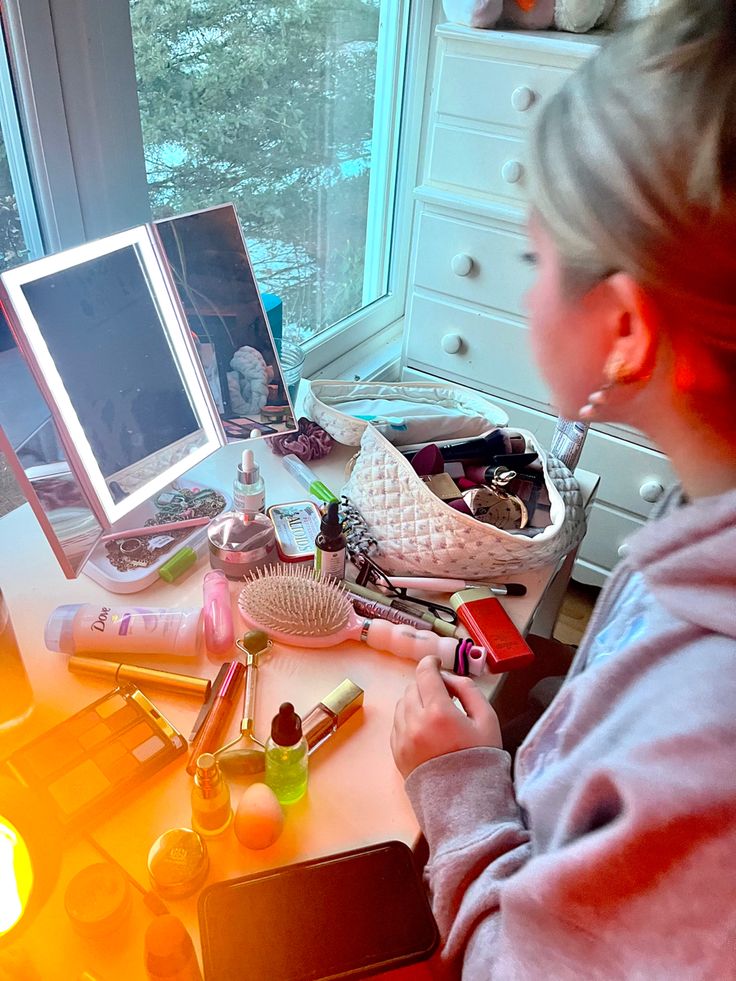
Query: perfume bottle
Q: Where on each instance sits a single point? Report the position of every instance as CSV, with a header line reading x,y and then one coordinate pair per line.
x,y
211,809
249,490
286,756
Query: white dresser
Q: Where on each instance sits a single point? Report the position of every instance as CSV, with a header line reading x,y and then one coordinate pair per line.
x,y
465,318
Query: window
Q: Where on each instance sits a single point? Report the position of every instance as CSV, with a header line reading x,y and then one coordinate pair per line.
x,y
291,110
273,107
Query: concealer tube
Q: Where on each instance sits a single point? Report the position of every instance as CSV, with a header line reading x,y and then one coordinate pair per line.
x,y
181,684
329,714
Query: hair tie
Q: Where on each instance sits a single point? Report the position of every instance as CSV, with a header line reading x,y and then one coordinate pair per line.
x,y
310,442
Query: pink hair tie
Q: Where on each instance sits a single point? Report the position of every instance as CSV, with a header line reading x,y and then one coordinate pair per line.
x,y
310,442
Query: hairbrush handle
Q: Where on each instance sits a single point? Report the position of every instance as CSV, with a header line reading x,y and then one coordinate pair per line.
x,y
461,656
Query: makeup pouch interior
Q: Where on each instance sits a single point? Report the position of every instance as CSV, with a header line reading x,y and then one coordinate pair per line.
x,y
416,533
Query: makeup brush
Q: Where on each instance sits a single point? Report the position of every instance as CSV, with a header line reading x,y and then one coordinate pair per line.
x,y
298,607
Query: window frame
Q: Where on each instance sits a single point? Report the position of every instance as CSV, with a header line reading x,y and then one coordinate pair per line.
x,y
74,72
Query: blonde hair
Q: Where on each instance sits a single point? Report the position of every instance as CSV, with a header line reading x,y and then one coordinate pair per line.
x,y
633,163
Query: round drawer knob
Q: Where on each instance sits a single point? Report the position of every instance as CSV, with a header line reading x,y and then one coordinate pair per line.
x,y
462,264
512,171
623,551
651,491
451,343
523,98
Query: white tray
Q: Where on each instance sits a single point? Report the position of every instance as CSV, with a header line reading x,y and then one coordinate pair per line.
x,y
99,568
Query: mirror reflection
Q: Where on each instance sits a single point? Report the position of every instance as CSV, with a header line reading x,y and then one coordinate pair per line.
x,y
212,272
32,446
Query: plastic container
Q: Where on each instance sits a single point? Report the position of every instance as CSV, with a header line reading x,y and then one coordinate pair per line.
x,y
241,543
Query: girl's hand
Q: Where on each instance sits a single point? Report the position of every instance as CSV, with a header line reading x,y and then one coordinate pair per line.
x,y
427,723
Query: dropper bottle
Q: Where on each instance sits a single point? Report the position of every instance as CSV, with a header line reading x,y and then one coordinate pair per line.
x,y
330,544
249,491
286,756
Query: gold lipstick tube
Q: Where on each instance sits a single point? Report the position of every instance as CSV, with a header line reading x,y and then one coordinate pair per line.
x,y
181,684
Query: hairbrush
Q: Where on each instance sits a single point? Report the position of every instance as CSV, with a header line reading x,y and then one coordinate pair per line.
x,y
298,607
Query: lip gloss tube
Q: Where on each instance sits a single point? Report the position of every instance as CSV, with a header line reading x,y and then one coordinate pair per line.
x,y
329,714
208,737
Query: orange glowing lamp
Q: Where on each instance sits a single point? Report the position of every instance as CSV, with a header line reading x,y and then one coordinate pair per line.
x,y
29,858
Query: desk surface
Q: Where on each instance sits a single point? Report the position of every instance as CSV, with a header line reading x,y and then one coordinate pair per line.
x,y
355,794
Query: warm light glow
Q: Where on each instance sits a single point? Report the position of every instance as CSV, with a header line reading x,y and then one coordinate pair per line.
x,y
16,876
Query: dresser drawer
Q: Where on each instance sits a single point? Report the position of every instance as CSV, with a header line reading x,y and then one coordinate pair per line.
x,y
488,164
632,477
472,261
506,93
608,528
481,347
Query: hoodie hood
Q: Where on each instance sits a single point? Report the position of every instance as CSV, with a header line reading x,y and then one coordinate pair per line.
x,y
688,560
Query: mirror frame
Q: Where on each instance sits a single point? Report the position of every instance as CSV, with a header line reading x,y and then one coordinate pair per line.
x,y
32,345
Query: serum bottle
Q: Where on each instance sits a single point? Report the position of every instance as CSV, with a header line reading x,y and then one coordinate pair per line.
x,y
286,756
211,809
329,546
249,491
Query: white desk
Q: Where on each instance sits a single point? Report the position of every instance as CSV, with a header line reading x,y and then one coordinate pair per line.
x,y
355,794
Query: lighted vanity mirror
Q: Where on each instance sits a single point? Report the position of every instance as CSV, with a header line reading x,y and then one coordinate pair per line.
x,y
129,408
212,271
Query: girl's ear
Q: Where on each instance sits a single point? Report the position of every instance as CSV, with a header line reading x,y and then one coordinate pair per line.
x,y
633,328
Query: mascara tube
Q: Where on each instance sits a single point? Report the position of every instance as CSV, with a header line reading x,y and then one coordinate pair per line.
x,y
372,608
182,684
439,626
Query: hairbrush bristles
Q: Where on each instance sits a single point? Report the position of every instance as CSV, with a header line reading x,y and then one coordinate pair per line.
x,y
294,601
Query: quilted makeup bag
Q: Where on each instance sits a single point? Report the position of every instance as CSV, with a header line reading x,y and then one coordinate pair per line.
x,y
416,532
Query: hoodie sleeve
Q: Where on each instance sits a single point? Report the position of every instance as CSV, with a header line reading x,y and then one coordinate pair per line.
x,y
631,886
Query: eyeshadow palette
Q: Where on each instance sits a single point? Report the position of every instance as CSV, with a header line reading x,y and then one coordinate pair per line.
x,y
88,761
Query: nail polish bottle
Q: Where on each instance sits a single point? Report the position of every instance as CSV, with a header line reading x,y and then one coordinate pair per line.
x,y
286,756
211,808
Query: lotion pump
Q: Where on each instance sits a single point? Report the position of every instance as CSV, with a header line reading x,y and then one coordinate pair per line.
x,y
249,491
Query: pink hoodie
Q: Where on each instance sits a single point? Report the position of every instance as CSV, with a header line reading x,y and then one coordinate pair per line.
x,y
613,852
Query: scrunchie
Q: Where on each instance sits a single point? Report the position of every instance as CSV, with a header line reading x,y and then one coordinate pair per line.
x,y
310,442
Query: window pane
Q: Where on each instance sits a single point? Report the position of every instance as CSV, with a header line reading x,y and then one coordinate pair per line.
x,y
271,106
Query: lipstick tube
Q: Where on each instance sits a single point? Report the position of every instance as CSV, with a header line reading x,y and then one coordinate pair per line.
x,y
181,684
208,737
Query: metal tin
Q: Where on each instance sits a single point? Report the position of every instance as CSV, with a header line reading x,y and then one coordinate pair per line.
x,y
178,863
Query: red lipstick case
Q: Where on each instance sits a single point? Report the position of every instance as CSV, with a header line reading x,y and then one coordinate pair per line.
x,y
491,627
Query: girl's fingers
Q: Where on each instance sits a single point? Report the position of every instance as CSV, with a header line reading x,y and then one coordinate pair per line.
x,y
469,695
